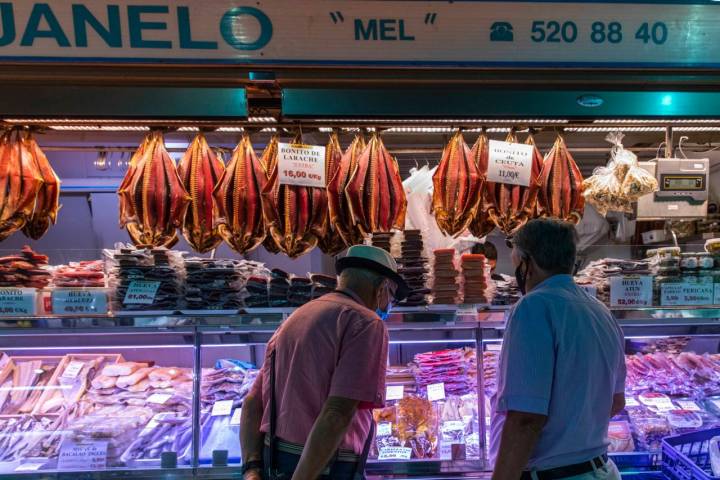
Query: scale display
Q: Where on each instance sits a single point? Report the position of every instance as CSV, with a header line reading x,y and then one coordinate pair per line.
x,y
682,183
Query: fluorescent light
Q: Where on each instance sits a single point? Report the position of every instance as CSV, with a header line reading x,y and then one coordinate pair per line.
x,y
230,129
642,121
430,121
269,129
262,119
188,129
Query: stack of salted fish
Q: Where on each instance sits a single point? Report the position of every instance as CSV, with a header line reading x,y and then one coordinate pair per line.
x,y
456,369
413,268
26,269
322,284
382,240
279,288
212,284
444,287
300,291
85,274
475,281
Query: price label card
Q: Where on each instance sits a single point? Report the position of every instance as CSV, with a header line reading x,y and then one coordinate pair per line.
x,y
688,405
716,300
467,309
235,419
159,398
222,408
590,289
445,451
631,402
453,426
631,291
436,391
301,165
152,424
140,292
73,369
82,456
18,301
510,163
76,300
384,429
394,392
394,453
688,293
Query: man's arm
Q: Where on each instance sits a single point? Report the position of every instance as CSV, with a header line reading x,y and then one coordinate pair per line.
x,y
251,439
325,437
519,436
618,404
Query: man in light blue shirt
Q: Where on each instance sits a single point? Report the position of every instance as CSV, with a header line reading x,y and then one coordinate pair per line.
x,y
561,375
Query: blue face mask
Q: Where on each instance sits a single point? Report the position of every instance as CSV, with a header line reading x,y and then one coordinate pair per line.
x,y
384,314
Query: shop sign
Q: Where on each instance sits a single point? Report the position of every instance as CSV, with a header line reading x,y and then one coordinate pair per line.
x,y
395,453
510,163
17,301
366,33
631,291
302,165
688,293
78,300
82,455
140,292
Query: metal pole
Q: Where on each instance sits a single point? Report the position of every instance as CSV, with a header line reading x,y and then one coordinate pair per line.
x,y
668,142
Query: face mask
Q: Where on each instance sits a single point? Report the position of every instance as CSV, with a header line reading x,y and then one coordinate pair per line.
x,y
384,314
521,278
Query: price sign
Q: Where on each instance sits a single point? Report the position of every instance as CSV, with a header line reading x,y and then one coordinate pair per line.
x,y
394,453
384,429
77,300
688,405
394,392
510,163
140,292
301,165
631,291
235,419
17,301
631,402
688,293
453,426
436,391
159,398
445,451
73,369
222,408
82,456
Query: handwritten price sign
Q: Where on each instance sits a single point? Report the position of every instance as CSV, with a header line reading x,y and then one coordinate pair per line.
x,y
141,293
510,163
302,165
631,291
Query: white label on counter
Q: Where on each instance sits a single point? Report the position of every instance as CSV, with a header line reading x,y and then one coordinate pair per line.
x,y
73,369
222,408
688,405
384,429
17,301
453,426
590,289
394,392
395,453
631,291
76,300
467,309
631,402
301,165
140,292
159,398
235,419
510,163
697,293
29,467
659,401
445,451
436,391
493,347
82,456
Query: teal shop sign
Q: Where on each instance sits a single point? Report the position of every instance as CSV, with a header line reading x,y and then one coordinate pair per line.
x,y
595,33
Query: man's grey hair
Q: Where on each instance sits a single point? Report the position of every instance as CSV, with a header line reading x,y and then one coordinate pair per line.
x,y
551,243
353,276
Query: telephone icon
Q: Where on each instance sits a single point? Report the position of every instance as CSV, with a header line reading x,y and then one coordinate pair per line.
x,y
501,32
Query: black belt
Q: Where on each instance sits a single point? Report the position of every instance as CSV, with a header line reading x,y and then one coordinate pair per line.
x,y
568,470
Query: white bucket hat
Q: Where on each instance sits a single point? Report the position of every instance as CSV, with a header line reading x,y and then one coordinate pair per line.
x,y
374,259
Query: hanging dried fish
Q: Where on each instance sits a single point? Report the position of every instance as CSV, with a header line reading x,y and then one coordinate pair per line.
x,y
456,187
268,160
237,199
561,194
332,242
294,215
375,192
48,198
200,170
338,206
481,224
158,200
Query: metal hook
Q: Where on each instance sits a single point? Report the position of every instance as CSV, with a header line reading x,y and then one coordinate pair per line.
x,y
682,139
657,153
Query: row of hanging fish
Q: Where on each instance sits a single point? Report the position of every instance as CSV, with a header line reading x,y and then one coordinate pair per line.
x,y
29,187
463,198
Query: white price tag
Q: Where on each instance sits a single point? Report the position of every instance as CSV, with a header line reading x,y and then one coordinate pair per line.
x,y
493,347
301,165
18,301
152,424
384,429
394,392
76,300
235,419
159,398
395,453
665,406
222,408
631,402
466,310
631,291
659,401
510,163
590,289
688,293
445,451
453,426
141,293
688,405
436,391
29,467
73,369
82,456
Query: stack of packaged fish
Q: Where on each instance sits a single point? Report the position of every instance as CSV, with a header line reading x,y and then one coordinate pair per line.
x,y
456,369
213,284
412,266
26,269
85,274
598,273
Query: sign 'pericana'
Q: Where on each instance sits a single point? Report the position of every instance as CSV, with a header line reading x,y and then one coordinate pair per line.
x,y
365,32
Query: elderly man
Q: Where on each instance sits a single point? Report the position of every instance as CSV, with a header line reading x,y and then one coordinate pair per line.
x,y
308,414
561,371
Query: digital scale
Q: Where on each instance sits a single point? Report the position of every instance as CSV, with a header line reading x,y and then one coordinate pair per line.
x,y
683,189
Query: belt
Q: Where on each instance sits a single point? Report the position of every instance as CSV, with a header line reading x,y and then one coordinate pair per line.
x,y
568,470
345,456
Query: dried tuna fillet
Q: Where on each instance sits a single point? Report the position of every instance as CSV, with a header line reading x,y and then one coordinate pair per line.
x,y
561,194
332,242
511,206
481,224
338,206
375,192
200,170
48,198
127,211
268,160
295,216
237,198
456,187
